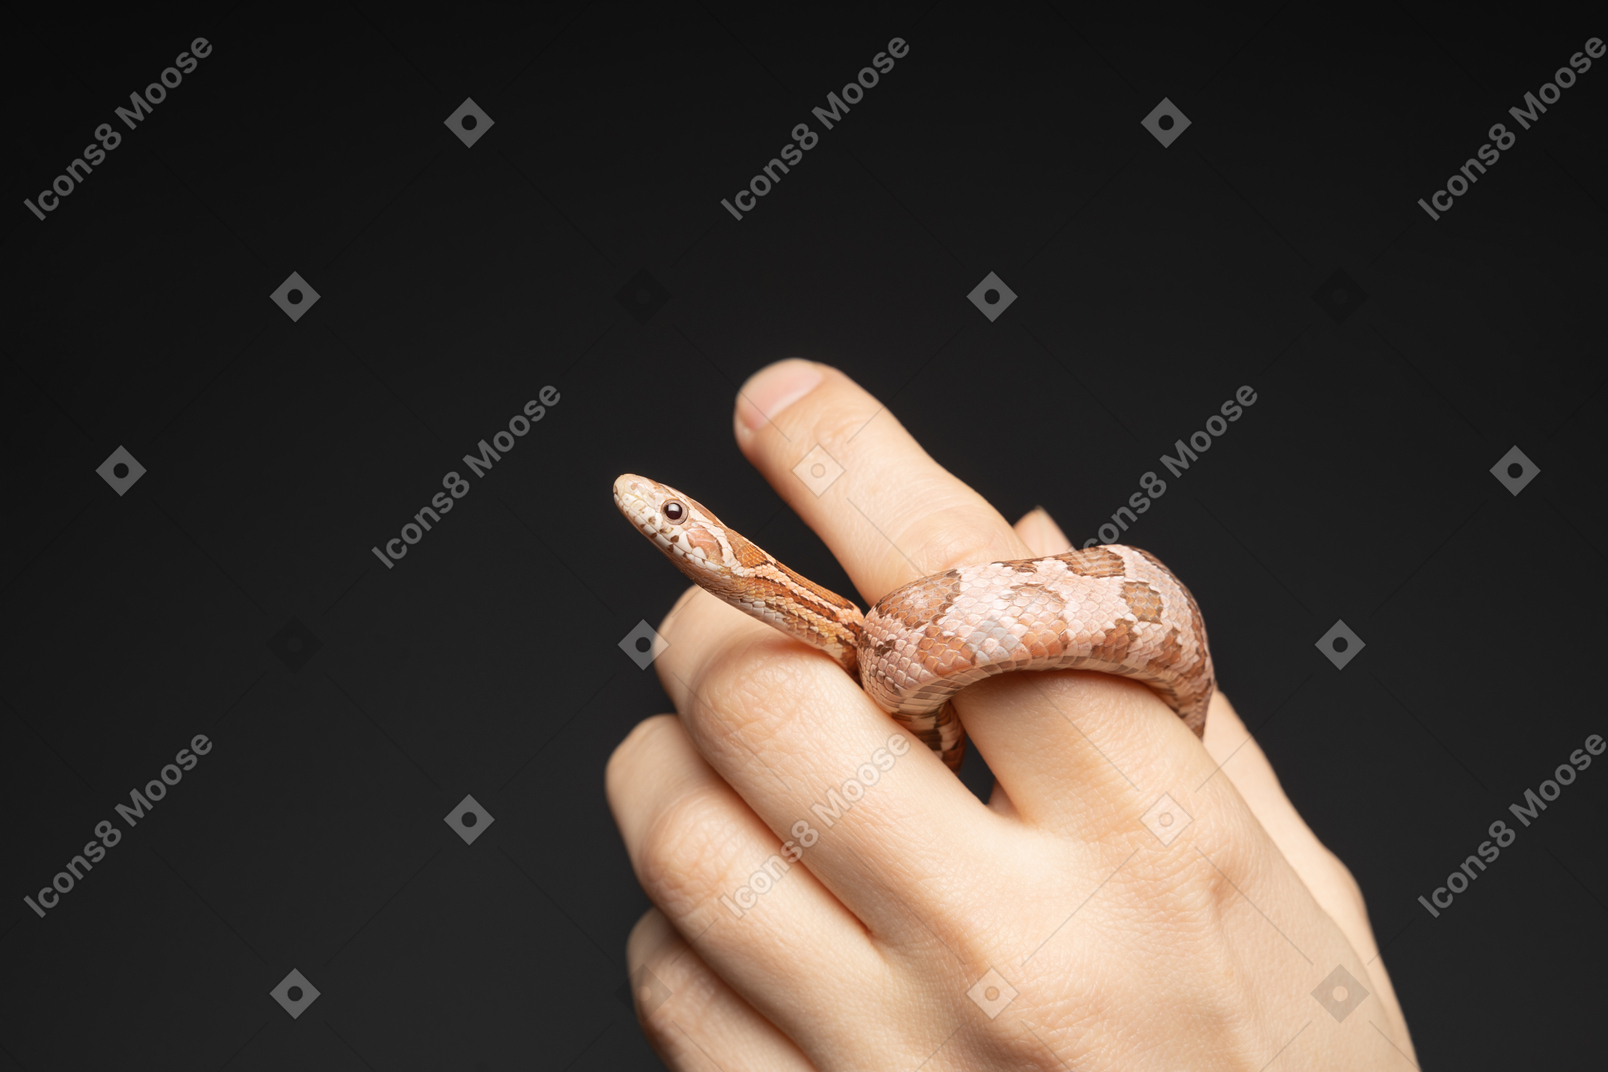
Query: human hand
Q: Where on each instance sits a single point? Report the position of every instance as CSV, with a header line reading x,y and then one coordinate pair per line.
x,y
1088,942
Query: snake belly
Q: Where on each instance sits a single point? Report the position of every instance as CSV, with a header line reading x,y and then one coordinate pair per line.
x,y
1114,609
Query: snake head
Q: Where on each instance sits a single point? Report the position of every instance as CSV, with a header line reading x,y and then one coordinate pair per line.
x,y
689,535
725,564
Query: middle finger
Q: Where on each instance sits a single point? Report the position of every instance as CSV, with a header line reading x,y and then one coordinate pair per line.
x,y
800,742
893,515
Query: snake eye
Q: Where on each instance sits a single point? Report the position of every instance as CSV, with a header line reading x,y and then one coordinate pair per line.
x,y
675,511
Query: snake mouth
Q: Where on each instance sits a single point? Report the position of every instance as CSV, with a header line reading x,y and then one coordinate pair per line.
x,y
634,498
640,499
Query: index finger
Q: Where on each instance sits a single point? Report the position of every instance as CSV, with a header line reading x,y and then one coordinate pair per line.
x,y
847,467
892,515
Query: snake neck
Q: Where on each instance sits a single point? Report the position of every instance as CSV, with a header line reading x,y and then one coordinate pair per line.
x,y
733,568
791,602
799,607
1113,609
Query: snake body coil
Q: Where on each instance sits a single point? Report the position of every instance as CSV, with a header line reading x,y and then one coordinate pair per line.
x,y
1114,609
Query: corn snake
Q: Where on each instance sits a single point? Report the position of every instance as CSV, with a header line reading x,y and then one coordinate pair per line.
x,y
1113,608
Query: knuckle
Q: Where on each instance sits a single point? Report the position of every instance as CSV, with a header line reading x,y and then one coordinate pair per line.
x,y
747,688
835,425
647,938
617,773
658,1027
949,537
1196,887
688,849
692,1010
1349,886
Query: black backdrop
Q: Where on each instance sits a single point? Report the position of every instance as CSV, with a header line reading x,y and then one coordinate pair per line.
x,y
231,591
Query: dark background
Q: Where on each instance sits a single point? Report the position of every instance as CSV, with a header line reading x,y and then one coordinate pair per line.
x,y
456,282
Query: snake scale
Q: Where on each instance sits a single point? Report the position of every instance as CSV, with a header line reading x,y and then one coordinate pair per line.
x,y
1115,609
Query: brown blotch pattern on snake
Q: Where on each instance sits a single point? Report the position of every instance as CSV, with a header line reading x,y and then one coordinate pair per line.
x,y
1115,609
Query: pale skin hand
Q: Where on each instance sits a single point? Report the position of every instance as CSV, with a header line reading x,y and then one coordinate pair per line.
x,y
1126,953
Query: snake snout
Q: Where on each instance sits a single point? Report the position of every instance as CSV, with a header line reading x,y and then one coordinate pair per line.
x,y
634,497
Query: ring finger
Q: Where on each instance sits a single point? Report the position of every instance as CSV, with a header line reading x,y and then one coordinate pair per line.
x,y
764,923
690,1015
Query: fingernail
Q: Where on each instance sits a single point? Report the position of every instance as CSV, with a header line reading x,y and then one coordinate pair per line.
x,y
774,388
